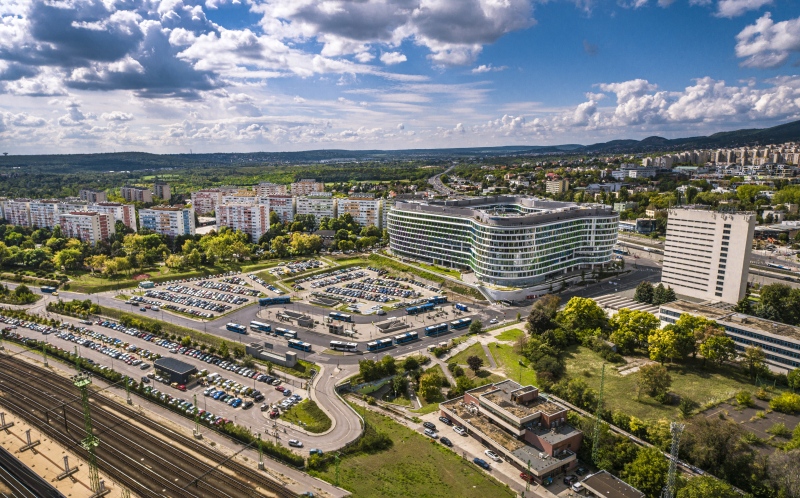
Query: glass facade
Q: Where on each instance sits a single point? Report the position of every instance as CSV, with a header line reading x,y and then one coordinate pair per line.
x,y
516,254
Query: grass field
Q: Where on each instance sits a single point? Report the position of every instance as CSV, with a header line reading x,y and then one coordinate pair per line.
x,y
510,335
508,361
309,416
441,270
474,350
414,466
703,386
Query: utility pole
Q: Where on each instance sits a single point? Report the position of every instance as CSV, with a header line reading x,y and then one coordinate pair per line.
x,y
337,469
82,382
260,454
44,353
597,422
676,429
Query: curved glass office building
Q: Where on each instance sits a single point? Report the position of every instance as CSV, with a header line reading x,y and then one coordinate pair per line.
x,y
507,241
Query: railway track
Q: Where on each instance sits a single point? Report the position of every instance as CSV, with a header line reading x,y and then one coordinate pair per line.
x,y
146,457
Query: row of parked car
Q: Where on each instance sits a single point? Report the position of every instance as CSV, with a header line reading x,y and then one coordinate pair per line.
x,y
188,301
184,406
334,277
266,284
209,293
226,287
370,285
357,294
197,279
13,322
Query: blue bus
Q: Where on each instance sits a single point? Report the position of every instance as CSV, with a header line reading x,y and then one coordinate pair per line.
x,y
379,344
267,301
235,327
434,330
350,347
462,307
621,251
437,300
422,308
260,327
289,334
460,323
405,338
302,346
335,315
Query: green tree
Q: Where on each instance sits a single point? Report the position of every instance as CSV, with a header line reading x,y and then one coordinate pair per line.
x,y
754,361
475,363
744,306
476,327
718,349
662,344
654,380
430,386
388,365
659,295
68,259
644,292
399,385
705,487
223,350
648,472
632,328
410,363
581,315
793,379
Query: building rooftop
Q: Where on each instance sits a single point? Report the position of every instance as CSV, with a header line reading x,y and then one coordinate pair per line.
x,y
606,485
175,366
735,319
503,395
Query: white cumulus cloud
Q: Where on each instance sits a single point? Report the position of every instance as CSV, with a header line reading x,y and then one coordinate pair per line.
x,y
391,58
767,43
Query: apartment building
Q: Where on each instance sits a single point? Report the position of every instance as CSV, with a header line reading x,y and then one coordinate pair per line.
x,y
556,186
306,187
17,212
252,219
241,196
523,426
206,201
126,213
136,194
171,221
283,205
707,253
507,241
320,204
267,189
43,213
90,227
365,209
780,342
162,190
92,195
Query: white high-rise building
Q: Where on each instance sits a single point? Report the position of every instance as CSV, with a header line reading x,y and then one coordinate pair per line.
x,y
306,187
283,205
126,213
707,253
320,205
87,226
17,212
169,221
44,212
365,210
252,219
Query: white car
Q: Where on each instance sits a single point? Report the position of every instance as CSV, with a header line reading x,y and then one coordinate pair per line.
x,y
460,430
493,320
431,434
296,443
491,454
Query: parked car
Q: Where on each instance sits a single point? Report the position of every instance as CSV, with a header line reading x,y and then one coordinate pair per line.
x,y
480,462
568,480
431,434
491,454
429,425
445,420
296,443
577,487
315,451
446,442
460,430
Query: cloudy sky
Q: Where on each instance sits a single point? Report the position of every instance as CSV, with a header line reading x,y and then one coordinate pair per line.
x,y
270,75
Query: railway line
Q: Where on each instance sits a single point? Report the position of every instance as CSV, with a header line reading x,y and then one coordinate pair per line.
x,y
144,456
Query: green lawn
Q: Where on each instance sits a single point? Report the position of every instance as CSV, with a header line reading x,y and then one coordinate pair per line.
x,y
508,361
413,466
441,270
308,415
474,350
433,405
703,386
510,335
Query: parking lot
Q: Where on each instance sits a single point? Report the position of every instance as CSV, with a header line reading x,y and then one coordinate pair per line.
x,y
132,352
199,297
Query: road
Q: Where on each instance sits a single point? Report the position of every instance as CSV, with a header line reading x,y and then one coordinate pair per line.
x,y
436,183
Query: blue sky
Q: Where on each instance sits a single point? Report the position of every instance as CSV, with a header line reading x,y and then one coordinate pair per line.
x,y
218,75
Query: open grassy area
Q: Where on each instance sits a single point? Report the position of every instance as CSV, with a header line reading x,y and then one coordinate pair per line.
x,y
432,405
309,416
441,270
474,350
413,466
508,361
510,335
690,380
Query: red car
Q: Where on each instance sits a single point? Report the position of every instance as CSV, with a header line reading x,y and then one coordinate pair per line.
x,y
526,477
280,388
273,414
181,387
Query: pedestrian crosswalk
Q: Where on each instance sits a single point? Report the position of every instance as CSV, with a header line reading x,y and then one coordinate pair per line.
x,y
617,302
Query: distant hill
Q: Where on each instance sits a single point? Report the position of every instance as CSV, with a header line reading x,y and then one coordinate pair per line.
x,y
134,161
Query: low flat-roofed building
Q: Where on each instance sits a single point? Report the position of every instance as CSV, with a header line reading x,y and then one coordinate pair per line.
x,y
609,486
780,342
521,425
175,370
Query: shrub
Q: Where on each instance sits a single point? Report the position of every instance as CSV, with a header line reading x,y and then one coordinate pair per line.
x,y
779,429
786,402
744,399
762,394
